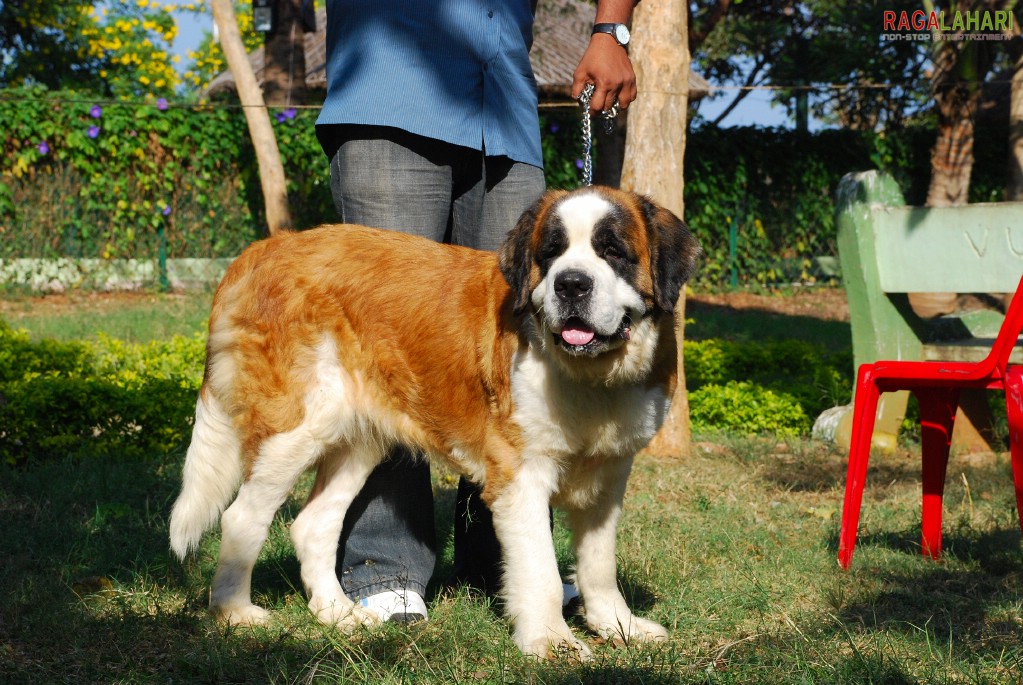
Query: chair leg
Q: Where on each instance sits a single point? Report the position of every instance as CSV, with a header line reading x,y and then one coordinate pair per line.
x,y
864,414
1014,407
937,416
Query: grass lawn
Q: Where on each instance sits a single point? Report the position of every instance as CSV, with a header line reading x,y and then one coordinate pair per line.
x,y
733,548
133,317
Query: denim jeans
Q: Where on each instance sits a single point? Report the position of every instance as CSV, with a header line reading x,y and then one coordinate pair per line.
x,y
388,178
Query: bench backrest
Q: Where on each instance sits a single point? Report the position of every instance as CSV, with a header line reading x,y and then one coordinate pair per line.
x,y
969,249
888,249
974,248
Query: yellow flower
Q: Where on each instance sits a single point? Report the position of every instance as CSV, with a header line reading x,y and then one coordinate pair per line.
x,y
144,80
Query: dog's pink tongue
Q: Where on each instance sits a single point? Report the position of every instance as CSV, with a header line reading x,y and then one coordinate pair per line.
x,y
575,334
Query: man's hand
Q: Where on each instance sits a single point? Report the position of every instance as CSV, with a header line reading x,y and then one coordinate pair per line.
x,y
606,65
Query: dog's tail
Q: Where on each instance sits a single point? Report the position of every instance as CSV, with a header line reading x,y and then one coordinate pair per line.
x,y
211,476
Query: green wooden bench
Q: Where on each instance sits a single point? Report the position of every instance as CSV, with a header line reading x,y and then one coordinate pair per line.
x,y
887,249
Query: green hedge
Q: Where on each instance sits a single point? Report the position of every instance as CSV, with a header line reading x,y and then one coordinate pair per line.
x,y
83,178
138,177
108,398
776,187
775,387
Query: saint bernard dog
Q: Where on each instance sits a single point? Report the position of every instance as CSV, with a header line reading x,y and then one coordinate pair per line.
x,y
538,372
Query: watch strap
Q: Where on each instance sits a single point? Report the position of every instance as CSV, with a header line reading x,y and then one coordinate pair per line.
x,y
609,28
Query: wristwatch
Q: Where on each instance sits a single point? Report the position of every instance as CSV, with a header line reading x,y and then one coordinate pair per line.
x,y
620,32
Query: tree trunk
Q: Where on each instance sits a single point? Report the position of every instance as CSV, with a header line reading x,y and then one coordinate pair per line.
x,y
655,146
952,154
268,156
1015,188
955,101
284,52
960,67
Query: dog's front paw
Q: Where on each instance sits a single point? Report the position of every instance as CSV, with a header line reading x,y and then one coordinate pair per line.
x,y
558,642
248,615
630,628
342,613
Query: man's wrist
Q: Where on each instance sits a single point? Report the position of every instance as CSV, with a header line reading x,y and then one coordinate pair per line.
x,y
616,31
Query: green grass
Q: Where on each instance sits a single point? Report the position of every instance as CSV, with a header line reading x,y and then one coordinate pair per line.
x,y
732,548
130,317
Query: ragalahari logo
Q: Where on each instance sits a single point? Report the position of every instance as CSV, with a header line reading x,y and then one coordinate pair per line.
x,y
953,26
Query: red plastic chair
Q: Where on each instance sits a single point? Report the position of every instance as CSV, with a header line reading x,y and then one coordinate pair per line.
x,y
936,386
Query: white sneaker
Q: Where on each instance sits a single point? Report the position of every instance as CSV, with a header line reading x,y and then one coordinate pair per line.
x,y
396,606
570,594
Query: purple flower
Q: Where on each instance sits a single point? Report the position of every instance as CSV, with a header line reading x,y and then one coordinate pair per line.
x,y
161,104
96,112
554,127
166,210
280,117
94,131
290,113
578,164
43,147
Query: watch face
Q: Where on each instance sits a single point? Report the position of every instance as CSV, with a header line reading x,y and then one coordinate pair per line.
x,y
622,34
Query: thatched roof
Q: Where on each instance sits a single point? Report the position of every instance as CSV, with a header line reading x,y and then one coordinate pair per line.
x,y
560,36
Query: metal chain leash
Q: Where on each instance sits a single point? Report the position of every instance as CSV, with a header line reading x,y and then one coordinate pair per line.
x,y
608,121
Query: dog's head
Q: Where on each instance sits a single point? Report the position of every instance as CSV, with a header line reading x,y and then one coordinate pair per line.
x,y
596,267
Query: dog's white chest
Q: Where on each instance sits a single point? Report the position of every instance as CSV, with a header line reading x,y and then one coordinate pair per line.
x,y
565,420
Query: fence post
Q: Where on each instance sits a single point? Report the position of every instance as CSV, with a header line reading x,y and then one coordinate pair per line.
x,y
162,259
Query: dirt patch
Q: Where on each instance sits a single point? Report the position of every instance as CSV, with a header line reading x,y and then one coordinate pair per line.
x,y
819,303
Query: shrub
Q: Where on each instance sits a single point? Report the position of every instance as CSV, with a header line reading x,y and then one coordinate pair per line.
x,y
106,398
20,358
52,416
744,407
774,386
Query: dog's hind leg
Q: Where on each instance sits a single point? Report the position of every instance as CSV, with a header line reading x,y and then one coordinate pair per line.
x,y
315,532
244,525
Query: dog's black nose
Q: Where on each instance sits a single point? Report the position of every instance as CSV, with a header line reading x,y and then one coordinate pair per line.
x,y
572,285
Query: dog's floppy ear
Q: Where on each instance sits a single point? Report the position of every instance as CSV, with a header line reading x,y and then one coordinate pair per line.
x,y
673,253
515,257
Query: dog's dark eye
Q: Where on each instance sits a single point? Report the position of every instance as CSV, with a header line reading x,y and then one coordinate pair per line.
x,y
612,252
550,251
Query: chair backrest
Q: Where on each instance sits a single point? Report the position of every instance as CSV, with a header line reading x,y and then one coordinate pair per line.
x,y
1008,335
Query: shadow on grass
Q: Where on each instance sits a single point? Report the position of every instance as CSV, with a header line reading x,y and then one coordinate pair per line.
x,y
89,591
997,551
906,620
967,602
757,325
967,609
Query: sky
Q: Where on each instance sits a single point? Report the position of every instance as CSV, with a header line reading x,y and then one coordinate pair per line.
x,y
191,29
755,110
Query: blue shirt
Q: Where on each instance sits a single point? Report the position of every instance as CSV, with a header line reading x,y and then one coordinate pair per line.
x,y
451,70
